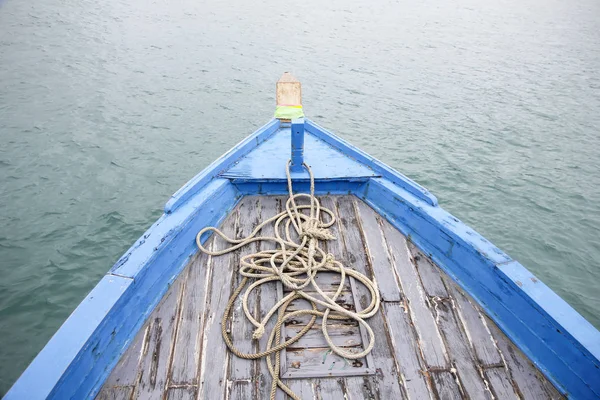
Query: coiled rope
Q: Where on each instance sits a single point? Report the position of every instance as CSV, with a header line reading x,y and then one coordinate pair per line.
x,y
295,265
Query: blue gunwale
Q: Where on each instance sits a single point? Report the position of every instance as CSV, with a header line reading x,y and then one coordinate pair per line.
x,y
79,357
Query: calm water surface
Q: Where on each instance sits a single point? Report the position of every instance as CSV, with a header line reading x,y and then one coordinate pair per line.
x,y
108,107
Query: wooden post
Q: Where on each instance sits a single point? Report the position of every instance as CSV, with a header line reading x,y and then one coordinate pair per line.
x,y
289,108
289,98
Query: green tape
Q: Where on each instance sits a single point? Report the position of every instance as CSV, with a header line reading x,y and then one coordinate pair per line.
x,y
289,112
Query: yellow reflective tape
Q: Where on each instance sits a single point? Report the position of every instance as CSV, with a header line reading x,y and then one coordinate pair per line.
x,y
289,112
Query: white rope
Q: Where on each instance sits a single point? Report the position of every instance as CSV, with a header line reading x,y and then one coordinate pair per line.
x,y
296,266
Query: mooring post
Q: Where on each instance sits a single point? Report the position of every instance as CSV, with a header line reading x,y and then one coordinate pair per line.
x,y
297,145
289,108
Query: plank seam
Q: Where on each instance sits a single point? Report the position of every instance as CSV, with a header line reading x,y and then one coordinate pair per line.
x,y
182,291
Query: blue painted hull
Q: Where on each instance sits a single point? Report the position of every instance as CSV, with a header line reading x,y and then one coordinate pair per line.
x,y
78,358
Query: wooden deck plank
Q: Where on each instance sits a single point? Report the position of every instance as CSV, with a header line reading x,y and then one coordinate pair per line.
x,y
530,382
242,371
387,383
500,383
318,359
478,334
188,393
303,388
126,371
433,349
267,298
460,352
357,388
157,350
200,362
333,246
345,298
329,389
406,352
340,336
430,274
115,393
445,386
353,245
377,253
187,344
213,365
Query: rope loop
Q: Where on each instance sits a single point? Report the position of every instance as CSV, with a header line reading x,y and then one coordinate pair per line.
x,y
295,263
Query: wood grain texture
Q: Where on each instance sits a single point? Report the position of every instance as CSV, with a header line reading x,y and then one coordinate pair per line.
x,y
187,344
530,382
213,365
156,352
241,371
126,371
377,253
406,351
177,393
329,389
115,393
304,388
353,245
445,386
358,388
478,334
500,383
387,385
267,298
432,340
433,349
429,273
461,356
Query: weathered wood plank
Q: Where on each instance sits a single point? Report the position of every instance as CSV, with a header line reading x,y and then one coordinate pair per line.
x,y
430,341
126,371
242,371
340,335
303,320
213,364
115,393
345,299
500,383
181,393
445,386
303,388
157,350
387,383
477,333
267,298
357,388
353,245
187,345
406,352
207,289
239,390
329,389
327,281
377,253
333,246
460,353
321,360
530,382
429,273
